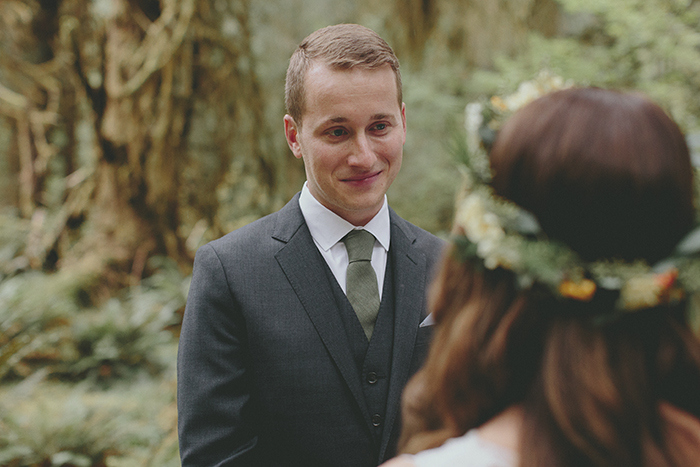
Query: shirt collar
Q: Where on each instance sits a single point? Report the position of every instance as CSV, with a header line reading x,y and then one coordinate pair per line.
x,y
328,228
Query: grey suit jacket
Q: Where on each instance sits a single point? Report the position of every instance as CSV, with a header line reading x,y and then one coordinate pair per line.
x,y
265,372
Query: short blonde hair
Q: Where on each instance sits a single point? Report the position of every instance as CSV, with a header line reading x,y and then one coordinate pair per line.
x,y
342,46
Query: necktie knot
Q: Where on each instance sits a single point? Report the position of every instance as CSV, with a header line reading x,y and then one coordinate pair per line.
x,y
359,244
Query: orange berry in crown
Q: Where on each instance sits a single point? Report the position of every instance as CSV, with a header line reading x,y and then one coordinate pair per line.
x,y
666,279
583,290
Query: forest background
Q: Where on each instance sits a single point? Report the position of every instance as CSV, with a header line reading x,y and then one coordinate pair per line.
x,y
134,131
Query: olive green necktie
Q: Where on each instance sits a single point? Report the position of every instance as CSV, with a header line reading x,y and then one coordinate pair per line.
x,y
361,282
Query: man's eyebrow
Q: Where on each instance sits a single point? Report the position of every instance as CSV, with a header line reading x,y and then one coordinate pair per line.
x,y
380,116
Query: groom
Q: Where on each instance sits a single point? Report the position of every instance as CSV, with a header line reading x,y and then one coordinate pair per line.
x,y
294,351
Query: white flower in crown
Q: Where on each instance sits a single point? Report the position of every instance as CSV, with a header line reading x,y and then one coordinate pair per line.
x,y
639,292
486,248
483,229
527,92
473,119
496,257
650,290
477,222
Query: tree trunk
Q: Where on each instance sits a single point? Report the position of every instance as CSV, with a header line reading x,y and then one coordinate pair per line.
x,y
474,31
143,73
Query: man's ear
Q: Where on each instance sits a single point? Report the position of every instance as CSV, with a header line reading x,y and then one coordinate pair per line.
x,y
291,132
403,120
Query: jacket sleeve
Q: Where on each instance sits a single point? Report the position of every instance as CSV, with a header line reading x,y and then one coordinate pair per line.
x,y
215,410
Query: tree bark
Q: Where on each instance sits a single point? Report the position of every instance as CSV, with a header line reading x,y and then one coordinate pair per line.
x,y
143,73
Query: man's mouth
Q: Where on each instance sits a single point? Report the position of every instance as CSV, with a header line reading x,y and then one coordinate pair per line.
x,y
367,177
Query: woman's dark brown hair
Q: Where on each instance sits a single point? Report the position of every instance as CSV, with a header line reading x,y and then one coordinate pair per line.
x,y
609,174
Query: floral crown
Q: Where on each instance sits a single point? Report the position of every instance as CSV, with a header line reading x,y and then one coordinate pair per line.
x,y
495,232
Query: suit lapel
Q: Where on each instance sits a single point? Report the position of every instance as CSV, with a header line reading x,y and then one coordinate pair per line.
x,y
409,295
303,266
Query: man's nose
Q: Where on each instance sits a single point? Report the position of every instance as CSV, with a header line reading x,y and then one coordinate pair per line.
x,y
362,155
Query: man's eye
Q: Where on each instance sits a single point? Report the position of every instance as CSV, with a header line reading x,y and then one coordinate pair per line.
x,y
380,126
337,132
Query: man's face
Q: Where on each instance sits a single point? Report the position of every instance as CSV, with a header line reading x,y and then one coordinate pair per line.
x,y
351,139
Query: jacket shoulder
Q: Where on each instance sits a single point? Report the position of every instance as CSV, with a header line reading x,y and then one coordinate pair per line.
x,y
270,229
422,238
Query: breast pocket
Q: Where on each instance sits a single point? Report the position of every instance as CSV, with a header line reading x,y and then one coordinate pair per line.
x,y
423,339
424,336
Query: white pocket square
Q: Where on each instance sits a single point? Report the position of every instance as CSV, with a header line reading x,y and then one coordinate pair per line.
x,y
428,321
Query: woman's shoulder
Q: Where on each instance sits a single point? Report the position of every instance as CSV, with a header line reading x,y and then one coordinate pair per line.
x,y
469,450
401,461
494,444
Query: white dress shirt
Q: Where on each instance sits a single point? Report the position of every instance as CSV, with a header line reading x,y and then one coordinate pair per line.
x,y
327,229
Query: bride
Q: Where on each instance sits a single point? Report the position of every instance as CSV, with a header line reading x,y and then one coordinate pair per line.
x,y
562,325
